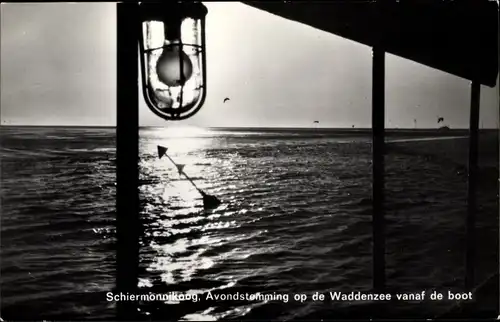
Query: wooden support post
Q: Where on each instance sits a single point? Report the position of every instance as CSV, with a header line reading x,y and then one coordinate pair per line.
x,y
378,151
470,254
127,157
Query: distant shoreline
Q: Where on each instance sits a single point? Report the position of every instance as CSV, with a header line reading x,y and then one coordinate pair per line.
x,y
62,126
276,128
399,131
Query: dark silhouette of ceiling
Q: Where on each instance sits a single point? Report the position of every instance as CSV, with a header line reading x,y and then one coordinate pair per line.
x,y
458,37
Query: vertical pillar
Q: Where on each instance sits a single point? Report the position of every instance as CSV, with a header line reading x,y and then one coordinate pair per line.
x,y
127,157
472,185
498,124
378,146
378,151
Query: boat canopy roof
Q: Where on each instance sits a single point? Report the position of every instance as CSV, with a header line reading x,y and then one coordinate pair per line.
x,y
458,37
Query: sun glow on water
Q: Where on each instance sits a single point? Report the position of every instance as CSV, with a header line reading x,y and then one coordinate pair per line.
x,y
178,139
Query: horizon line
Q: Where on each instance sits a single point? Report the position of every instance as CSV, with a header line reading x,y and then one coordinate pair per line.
x,y
250,127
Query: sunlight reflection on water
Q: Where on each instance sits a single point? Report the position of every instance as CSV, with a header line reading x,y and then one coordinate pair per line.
x,y
296,216
284,222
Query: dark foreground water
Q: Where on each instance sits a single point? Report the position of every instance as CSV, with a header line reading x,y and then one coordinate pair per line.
x,y
296,218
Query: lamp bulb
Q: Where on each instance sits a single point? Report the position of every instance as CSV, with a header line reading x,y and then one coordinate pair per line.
x,y
168,67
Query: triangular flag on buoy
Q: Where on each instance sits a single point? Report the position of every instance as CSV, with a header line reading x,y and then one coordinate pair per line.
x,y
209,202
180,167
161,151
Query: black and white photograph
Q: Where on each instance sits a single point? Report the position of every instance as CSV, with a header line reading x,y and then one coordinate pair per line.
x,y
258,161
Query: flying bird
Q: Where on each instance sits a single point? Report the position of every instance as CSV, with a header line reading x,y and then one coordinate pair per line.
x,y
316,122
440,119
226,99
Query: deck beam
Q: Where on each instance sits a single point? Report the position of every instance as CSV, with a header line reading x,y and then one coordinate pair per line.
x,y
128,227
470,254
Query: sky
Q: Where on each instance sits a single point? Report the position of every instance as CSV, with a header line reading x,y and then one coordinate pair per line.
x,y
58,67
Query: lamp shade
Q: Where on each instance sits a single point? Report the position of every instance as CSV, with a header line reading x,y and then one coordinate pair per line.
x,y
173,62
